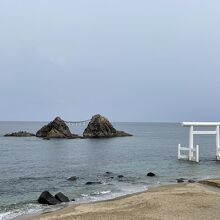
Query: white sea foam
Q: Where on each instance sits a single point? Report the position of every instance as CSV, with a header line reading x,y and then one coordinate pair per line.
x,y
25,210
121,189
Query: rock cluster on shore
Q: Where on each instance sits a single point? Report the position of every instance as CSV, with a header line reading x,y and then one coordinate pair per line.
x,y
100,127
56,129
19,134
47,198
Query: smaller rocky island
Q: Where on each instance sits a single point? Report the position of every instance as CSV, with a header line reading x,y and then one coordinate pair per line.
x,y
100,127
56,129
20,134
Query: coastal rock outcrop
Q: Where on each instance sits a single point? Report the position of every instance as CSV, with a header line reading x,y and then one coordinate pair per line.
x,y
211,182
19,134
48,199
100,127
56,129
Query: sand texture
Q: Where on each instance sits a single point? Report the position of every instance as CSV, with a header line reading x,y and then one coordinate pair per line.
x,y
181,201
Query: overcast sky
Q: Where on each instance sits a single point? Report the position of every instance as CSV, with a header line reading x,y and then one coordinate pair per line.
x,y
130,60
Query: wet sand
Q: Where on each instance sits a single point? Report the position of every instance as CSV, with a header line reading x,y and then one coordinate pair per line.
x,y
180,201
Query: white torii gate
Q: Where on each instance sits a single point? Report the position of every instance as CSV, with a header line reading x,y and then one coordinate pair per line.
x,y
193,154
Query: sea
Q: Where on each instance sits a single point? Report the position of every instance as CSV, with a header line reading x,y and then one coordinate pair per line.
x,y
31,165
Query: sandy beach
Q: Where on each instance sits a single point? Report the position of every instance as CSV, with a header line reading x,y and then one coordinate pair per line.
x,y
179,201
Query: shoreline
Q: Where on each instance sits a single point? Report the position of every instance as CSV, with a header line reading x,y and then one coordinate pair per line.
x,y
173,201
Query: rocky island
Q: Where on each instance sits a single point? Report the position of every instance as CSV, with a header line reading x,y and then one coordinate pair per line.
x,y
20,134
56,129
100,127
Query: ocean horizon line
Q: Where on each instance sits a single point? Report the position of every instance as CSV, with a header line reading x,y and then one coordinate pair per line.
x,y
161,122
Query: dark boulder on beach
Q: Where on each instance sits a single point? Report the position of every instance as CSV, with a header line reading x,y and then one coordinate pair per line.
x,y
180,180
56,129
151,174
61,197
191,181
47,199
100,127
20,134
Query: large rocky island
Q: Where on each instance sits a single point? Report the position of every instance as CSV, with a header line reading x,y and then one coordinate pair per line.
x,y
100,127
56,129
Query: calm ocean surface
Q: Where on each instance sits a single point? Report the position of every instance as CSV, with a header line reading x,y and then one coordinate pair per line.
x,y
31,165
